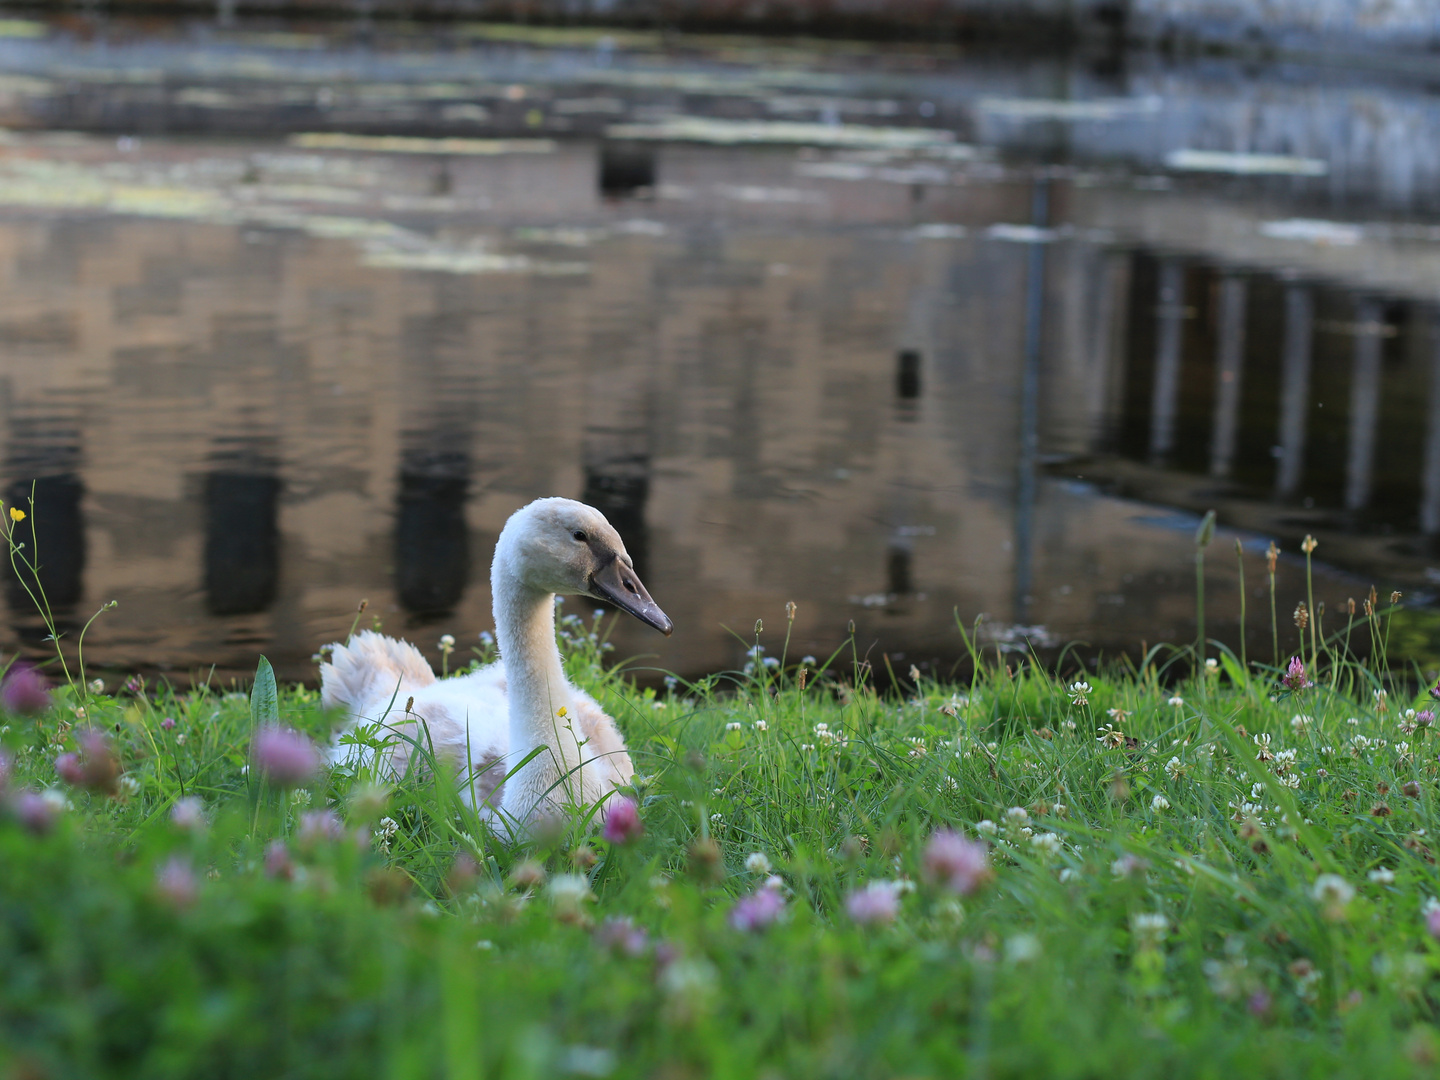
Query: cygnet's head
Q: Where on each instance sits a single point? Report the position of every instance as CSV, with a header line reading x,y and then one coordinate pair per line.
x,y
563,546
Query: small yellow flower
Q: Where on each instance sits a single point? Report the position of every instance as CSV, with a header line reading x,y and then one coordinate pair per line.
x,y
16,514
563,711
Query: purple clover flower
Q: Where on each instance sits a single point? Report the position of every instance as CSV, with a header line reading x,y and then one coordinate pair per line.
x,y
956,862
94,768
277,861
175,882
167,724
69,769
24,690
876,903
758,910
188,814
35,812
320,826
1294,676
284,758
622,821
621,935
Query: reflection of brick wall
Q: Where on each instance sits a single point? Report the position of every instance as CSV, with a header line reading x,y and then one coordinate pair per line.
x,y
738,361
720,363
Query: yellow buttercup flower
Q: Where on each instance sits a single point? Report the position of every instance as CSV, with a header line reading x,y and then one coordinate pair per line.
x,y
16,514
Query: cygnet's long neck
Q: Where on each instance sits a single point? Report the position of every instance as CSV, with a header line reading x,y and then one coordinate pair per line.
x,y
537,690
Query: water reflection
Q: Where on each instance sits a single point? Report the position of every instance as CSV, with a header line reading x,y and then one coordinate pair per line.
x,y
1330,407
257,382
242,541
432,544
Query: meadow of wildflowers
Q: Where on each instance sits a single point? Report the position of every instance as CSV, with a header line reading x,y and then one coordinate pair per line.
x,y
1177,868
1113,873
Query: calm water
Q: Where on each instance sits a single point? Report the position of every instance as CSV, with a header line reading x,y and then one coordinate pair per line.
x,y
889,334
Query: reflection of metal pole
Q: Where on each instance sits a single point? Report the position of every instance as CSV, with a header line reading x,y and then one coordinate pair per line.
x,y
1230,362
1170,311
1030,403
1430,481
1364,404
1294,388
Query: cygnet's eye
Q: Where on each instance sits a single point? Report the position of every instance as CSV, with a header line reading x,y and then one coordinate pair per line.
x,y
580,535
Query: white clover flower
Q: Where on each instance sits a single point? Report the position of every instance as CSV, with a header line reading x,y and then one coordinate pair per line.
x,y
1300,722
1430,904
1022,948
1068,875
568,891
1046,844
757,863
97,686
1149,929
1212,666
987,828
1382,875
447,642
1332,889
1177,701
1159,803
761,725
385,832
1174,767
734,726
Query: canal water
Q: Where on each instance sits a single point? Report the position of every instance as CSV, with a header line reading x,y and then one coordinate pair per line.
x,y
296,315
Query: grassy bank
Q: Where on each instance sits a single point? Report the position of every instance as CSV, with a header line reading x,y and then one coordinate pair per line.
x,y
1219,874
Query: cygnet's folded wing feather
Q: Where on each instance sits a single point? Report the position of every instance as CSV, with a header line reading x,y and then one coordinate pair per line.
x,y
370,669
603,742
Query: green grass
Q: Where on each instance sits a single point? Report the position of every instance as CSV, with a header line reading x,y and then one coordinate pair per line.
x,y
442,957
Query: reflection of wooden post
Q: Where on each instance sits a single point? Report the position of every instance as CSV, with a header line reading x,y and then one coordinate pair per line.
x,y
1294,388
1430,480
1364,404
1170,311
1229,362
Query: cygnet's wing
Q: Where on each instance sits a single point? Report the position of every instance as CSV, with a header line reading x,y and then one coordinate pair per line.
x,y
604,743
363,674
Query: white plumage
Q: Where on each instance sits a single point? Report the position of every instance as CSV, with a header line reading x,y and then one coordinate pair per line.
x,y
487,721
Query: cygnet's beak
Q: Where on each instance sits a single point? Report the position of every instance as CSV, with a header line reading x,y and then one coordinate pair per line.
x,y
620,585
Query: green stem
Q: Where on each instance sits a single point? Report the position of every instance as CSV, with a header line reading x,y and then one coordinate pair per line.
x,y
1240,562
1310,597
1274,625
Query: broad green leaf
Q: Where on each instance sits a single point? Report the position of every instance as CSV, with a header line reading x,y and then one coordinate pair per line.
x,y
264,698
